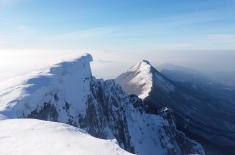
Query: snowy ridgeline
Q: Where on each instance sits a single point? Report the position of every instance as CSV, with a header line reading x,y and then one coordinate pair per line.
x,y
68,93
69,80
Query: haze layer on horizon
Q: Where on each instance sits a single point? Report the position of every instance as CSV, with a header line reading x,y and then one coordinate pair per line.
x,y
197,34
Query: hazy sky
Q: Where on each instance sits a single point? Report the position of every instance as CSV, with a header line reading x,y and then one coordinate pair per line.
x,y
194,33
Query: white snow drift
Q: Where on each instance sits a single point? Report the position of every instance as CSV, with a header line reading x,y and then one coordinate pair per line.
x,y
36,137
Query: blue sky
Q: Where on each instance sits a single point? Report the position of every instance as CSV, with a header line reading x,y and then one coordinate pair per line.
x,y
156,29
203,24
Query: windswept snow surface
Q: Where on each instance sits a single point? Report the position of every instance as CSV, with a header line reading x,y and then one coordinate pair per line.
x,y
22,94
36,137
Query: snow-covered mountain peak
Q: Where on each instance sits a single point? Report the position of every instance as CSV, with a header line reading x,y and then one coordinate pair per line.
x,y
72,65
141,66
195,103
139,79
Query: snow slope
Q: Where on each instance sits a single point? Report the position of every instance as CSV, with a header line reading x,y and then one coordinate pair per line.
x,y
36,137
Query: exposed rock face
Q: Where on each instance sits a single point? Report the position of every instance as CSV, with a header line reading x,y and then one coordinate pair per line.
x,y
106,113
69,94
198,114
186,145
110,113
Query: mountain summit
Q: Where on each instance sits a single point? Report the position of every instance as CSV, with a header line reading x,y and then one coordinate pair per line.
x,y
198,113
142,79
138,80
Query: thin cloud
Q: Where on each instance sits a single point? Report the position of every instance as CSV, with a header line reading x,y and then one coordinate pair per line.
x,y
222,37
8,3
105,61
87,33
